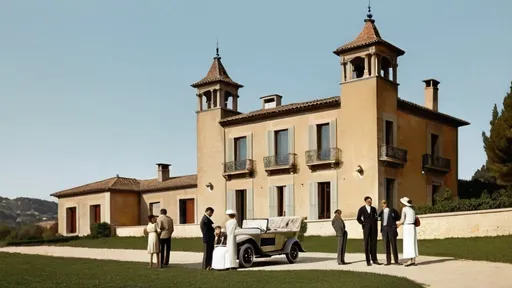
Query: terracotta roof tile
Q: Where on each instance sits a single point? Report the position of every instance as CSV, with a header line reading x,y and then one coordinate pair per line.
x,y
368,36
217,73
429,113
283,109
130,185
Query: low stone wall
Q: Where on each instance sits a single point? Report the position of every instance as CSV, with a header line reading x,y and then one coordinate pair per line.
x,y
433,226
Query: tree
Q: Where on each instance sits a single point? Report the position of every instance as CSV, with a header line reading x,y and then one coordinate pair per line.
x,y
498,145
484,175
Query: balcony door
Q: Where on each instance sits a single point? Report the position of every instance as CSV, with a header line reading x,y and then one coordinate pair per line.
x,y
281,147
240,149
434,144
389,133
323,141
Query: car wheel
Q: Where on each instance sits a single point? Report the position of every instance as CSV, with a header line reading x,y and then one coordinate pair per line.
x,y
246,256
293,255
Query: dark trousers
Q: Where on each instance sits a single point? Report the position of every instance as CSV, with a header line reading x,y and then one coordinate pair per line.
x,y
389,234
208,254
370,243
165,251
342,247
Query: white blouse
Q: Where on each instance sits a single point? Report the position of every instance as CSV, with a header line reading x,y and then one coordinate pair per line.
x,y
408,216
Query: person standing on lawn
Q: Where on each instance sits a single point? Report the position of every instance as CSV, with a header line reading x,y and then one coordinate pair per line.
x,y
166,225
367,217
410,238
153,246
208,231
341,233
231,244
388,218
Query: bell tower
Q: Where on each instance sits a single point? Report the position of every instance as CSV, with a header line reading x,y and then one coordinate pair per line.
x,y
217,98
369,92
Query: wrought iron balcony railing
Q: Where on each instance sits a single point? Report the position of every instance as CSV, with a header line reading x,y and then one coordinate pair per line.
x,y
436,162
327,155
388,152
277,161
238,166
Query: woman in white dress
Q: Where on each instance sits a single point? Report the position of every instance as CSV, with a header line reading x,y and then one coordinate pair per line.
x,y
410,239
220,251
153,243
231,245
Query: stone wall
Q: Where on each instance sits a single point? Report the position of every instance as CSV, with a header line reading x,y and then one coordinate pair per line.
x,y
433,226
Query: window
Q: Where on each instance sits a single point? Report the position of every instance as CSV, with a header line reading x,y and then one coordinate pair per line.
x,y
280,201
95,214
281,147
324,200
389,133
71,220
240,149
435,193
390,192
323,141
434,144
241,206
187,211
154,208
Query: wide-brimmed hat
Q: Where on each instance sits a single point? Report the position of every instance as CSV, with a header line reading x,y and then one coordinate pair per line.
x,y
230,212
405,201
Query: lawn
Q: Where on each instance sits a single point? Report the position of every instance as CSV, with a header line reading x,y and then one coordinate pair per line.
x,y
17,270
495,249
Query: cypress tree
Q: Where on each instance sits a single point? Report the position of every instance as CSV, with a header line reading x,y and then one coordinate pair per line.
x,y
498,144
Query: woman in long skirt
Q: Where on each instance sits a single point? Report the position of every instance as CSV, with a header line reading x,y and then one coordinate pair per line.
x,y
410,239
153,244
231,245
220,251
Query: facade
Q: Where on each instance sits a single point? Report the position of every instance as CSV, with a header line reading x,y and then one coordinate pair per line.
x,y
304,159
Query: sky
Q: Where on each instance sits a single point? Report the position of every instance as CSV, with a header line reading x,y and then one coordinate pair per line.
x,y
91,89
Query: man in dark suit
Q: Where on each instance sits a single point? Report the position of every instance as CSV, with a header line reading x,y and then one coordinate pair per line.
x,y
341,233
367,217
208,237
388,218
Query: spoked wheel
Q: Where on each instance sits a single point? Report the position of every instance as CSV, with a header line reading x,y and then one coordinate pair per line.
x,y
246,256
293,255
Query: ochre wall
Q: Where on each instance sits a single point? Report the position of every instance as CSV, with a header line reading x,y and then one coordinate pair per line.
x,y
124,208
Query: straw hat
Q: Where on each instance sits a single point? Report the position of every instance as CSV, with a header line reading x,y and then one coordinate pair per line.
x,y
405,201
230,212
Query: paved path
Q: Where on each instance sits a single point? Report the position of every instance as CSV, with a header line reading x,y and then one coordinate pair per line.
x,y
432,271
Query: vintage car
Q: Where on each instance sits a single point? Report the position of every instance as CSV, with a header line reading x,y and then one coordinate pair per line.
x,y
262,238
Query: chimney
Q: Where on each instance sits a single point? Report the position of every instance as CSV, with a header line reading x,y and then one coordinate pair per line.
x,y
431,94
271,101
164,171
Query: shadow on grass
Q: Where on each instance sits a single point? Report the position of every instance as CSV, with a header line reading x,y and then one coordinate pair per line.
x,y
265,262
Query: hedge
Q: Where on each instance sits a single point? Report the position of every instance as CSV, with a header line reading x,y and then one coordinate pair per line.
x,y
42,241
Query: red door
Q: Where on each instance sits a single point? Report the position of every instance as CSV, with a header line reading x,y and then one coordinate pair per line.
x,y
190,211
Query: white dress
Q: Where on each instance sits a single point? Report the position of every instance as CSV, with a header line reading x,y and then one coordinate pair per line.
x,y
153,245
231,245
219,257
410,239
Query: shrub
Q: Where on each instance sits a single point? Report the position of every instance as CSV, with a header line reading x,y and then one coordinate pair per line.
x,y
100,230
29,232
303,228
41,241
5,231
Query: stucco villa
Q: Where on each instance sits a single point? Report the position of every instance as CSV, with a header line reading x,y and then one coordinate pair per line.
x,y
304,159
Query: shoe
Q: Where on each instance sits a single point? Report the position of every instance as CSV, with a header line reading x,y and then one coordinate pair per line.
x,y
377,263
387,264
368,264
342,263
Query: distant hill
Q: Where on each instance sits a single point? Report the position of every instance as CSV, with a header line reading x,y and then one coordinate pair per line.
x,y
14,212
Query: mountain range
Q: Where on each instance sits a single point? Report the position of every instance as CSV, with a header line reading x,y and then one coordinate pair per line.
x,y
17,211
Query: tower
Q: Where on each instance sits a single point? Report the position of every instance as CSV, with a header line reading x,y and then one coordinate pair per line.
x,y
369,92
217,96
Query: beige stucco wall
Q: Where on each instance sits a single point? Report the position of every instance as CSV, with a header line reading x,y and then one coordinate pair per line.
x,y
170,201
82,204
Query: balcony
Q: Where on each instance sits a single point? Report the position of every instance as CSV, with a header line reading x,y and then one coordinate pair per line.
x,y
318,158
393,156
238,168
280,163
435,163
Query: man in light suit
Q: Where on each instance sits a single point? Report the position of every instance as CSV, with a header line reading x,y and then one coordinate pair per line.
x,y
208,232
166,225
341,233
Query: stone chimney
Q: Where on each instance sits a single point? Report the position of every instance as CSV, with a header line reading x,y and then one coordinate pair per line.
x,y
164,171
431,94
271,101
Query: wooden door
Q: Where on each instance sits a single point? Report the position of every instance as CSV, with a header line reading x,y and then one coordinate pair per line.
x,y
189,211
72,220
97,214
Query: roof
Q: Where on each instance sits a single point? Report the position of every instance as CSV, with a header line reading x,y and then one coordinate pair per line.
x,y
217,73
369,36
429,113
124,184
279,111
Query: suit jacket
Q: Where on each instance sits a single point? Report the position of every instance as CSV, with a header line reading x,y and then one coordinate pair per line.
x,y
338,225
166,225
207,229
393,217
367,220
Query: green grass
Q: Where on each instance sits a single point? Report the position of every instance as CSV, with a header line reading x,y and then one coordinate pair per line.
x,y
17,270
3,243
494,249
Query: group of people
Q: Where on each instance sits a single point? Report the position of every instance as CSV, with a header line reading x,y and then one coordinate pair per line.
x,y
390,221
159,232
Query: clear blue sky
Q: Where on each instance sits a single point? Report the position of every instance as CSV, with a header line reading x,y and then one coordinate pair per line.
x,y
91,89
